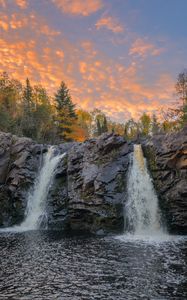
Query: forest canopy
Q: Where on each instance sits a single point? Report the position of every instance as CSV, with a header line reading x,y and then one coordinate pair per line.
x,y
27,110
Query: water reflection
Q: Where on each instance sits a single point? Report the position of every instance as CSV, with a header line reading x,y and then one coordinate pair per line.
x,y
46,265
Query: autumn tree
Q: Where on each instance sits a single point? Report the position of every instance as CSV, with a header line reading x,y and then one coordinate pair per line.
x,y
84,120
66,115
145,124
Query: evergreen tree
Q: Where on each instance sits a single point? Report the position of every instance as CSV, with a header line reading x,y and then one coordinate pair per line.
x,y
28,127
28,104
66,115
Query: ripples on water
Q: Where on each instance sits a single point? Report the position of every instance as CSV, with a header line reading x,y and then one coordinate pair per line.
x,y
36,265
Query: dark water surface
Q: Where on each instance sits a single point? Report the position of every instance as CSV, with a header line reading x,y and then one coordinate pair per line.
x,y
36,265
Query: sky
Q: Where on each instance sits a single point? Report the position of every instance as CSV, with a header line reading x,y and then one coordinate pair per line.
x,y
120,56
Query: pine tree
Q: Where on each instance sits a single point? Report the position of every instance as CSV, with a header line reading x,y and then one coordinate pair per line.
x,y
66,115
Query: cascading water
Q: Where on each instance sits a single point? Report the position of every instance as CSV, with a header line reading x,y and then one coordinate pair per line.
x,y
141,211
35,211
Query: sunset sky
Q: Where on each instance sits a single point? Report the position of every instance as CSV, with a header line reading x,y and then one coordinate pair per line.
x,y
121,56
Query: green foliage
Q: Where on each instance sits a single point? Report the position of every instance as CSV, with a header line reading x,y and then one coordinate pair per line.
x,y
101,123
178,116
9,102
145,124
131,129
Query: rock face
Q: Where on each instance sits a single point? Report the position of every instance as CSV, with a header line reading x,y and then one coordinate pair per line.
x,y
167,159
19,163
88,191
97,171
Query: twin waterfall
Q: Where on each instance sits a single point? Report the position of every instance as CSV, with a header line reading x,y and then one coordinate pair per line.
x,y
141,210
142,216
35,211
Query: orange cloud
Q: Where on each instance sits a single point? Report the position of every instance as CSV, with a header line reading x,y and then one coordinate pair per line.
x,y
142,48
102,82
20,20
82,67
4,24
79,7
13,21
45,29
60,54
22,3
110,24
29,47
3,3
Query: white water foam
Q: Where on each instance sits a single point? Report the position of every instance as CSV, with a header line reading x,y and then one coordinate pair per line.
x,y
142,214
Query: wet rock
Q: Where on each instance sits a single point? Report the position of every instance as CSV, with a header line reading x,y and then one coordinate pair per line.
x,y
18,169
167,159
87,193
97,184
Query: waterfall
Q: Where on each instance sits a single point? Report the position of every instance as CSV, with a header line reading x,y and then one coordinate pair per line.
x,y
35,212
141,210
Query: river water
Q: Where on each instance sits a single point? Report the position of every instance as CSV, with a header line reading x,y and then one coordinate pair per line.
x,y
47,265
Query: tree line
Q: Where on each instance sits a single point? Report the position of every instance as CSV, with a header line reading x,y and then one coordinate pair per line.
x,y
27,110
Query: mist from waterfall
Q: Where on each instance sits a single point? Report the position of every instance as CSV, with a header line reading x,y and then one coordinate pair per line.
x,y
35,212
142,213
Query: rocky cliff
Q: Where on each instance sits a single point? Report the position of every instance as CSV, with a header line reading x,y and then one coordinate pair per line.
x,y
89,189
167,160
19,162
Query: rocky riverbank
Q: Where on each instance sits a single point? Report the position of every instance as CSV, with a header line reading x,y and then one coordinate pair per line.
x,y
167,161
89,189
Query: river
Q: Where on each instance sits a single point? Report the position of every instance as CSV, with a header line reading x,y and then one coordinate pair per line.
x,y
47,265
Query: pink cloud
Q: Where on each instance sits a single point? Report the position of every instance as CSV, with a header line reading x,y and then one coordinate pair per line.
x,y
142,48
22,3
109,23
